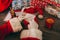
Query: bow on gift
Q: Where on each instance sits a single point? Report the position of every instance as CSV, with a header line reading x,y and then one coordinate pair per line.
x,y
4,4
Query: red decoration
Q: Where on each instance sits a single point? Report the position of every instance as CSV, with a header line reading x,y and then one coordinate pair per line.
x,y
49,22
4,4
52,2
38,2
30,38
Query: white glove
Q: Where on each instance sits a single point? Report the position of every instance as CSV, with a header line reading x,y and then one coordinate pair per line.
x,y
15,24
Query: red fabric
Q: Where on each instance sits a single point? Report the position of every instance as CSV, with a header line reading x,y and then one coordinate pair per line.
x,y
36,20
33,10
29,10
38,2
44,4
4,4
26,23
29,38
49,26
5,29
35,2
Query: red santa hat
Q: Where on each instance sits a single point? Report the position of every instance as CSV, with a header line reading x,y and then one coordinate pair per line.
x,y
4,4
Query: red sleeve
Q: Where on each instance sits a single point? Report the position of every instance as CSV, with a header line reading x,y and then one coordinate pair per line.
x,y
36,20
37,8
25,23
30,38
4,30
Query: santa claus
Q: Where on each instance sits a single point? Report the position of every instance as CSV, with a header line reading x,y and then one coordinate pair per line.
x,y
12,24
30,21
29,13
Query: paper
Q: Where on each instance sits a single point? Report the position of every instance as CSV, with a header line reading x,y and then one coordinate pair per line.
x,y
15,23
8,17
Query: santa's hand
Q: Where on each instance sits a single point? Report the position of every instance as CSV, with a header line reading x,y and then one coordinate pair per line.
x,y
40,16
15,24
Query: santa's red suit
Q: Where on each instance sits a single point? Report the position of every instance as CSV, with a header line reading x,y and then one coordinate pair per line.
x,y
13,25
34,9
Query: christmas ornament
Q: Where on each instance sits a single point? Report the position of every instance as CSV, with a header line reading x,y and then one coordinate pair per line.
x,y
49,22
